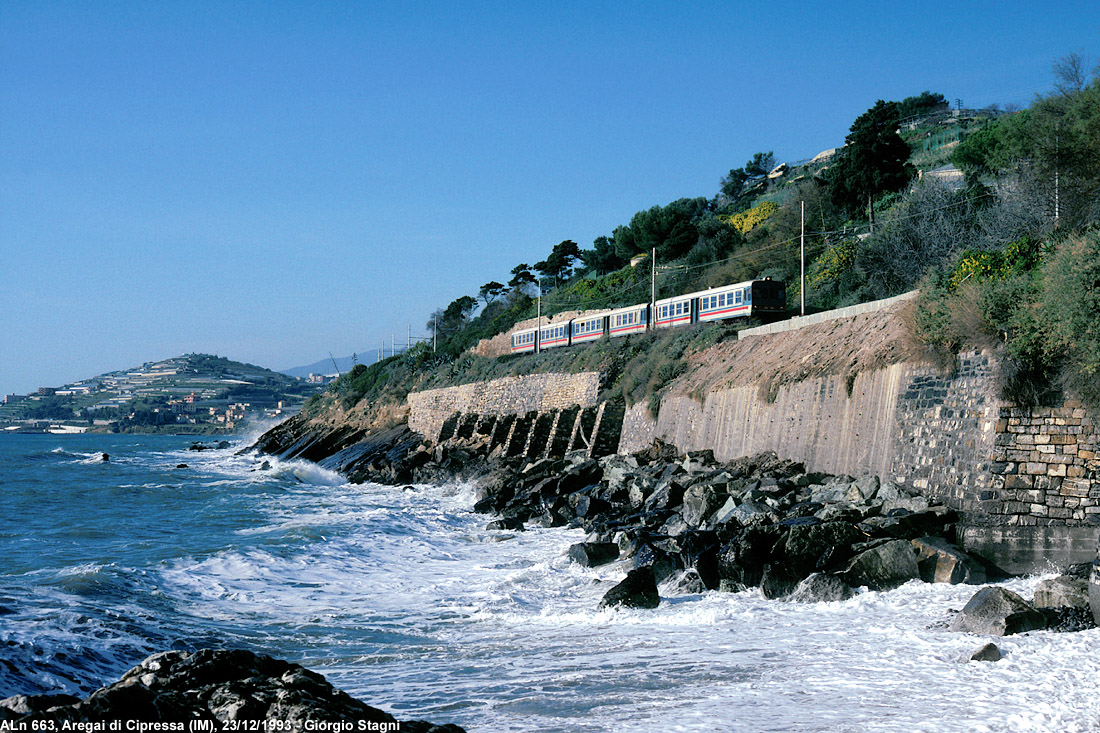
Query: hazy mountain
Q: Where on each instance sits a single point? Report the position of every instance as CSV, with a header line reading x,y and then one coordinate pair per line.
x,y
324,366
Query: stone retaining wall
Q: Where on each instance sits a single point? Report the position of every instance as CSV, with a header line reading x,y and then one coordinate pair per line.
x,y
428,410
1045,465
1026,481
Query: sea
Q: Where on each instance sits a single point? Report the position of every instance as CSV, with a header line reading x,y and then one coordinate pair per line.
x,y
401,597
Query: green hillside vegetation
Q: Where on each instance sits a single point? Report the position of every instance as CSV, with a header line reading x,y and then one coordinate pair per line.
x,y
991,253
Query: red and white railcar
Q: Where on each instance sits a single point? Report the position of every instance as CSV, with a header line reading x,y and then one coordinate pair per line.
x,y
623,321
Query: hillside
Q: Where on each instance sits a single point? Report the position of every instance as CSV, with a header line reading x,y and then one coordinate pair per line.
x,y
192,392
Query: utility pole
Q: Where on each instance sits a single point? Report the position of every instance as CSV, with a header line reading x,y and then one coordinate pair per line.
x,y
393,345
538,315
410,342
652,290
802,258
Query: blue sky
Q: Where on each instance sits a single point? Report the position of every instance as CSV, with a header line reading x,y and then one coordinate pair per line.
x,y
274,181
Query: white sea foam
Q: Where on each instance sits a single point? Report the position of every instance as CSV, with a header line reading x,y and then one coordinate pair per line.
x,y
422,610
403,598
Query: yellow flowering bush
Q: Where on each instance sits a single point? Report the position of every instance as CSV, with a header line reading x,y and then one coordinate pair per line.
x,y
748,220
832,263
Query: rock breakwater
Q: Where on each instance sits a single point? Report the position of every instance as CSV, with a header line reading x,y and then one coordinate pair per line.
x,y
233,689
698,523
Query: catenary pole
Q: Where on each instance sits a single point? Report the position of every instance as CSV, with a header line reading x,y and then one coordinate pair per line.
x,y
652,289
802,259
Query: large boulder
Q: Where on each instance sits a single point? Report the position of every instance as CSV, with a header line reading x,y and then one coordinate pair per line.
x,y
593,554
821,588
742,560
700,501
811,547
659,561
777,581
998,611
884,566
218,686
941,562
1062,592
637,590
753,513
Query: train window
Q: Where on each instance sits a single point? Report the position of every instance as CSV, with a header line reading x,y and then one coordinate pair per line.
x,y
737,297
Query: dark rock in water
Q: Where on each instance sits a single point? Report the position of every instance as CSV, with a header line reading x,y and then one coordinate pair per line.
x,y
15,707
222,444
1078,570
511,524
1067,618
941,562
104,457
742,560
689,583
660,562
182,465
777,581
811,547
593,554
637,590
218,686
883,567
999,612
821,588
988,653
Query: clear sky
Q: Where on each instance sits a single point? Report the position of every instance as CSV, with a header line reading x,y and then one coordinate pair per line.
x,y
274,181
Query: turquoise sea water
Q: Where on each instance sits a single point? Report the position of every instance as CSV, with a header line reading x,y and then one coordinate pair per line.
x,y
402,598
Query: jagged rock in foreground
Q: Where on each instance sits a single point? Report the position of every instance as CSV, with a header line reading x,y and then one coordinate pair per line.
x,y
212,685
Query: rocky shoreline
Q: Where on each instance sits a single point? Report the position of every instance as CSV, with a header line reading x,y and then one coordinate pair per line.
x,y
225,689
700,524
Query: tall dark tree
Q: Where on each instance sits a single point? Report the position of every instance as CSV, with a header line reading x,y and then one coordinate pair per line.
x,y
452,318
733,183
602,258
490,290
521,277
559,265
670,229
874,160
754,171
760,164
922,104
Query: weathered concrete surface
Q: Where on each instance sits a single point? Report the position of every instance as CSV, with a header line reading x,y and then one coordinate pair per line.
x,y
813,421
1019,550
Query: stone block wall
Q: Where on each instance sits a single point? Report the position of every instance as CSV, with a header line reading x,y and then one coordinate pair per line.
x,y
428,410
1046,471
945,434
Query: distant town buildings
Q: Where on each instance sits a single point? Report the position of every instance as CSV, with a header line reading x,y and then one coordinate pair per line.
x,y
193,389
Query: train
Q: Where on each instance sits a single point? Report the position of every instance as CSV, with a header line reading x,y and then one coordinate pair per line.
x,y
763,298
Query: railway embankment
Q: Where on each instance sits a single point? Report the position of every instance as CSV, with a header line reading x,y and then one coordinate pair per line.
x,y
846,394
